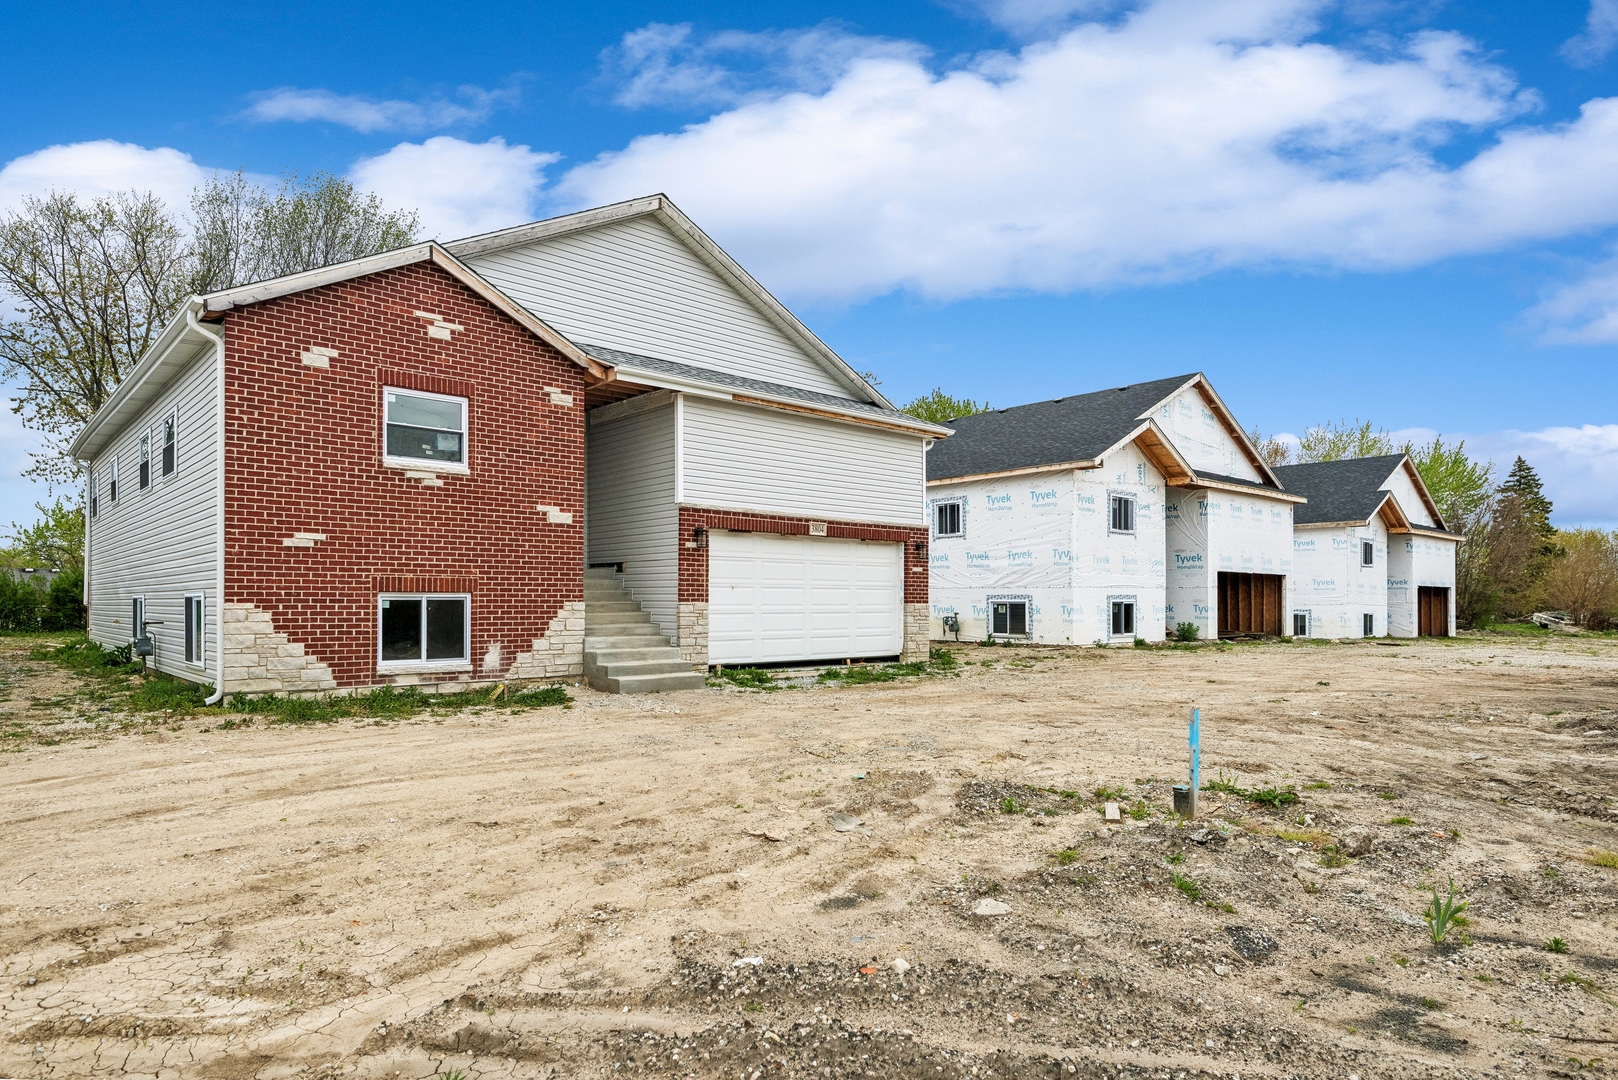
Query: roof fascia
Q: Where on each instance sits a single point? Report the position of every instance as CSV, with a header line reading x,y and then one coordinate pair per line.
x,y
644,377
1332,525
259,291
1032,470
701,245
1228,419
1421,489
88,442
1392,513
519,314
1278,495
1154,441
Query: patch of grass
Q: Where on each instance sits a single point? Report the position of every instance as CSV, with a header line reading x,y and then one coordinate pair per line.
x,y
1226,785
1300,836
1008,805
1402,961
1333,858
1387,795
1187,631
1140,810
1223,905
1317,785
1174,858
748,678
389,702
1556,945
753,1007
161,693
1109,794
1273,796
862,674
1599,857
1400,821
942,659
1066,857
1429,1003
1187,885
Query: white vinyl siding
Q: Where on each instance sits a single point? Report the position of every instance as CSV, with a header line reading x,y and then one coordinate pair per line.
x,y
631,516
631,285
160,543
776,598
770,461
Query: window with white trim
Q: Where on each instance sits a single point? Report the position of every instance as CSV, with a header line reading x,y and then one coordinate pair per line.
x,y
1370,625
1367,553
1123,618
137,617
112,479
1300,624
421,427
947,519
95,494
171,423
1122,517
193,628
417,629
145,462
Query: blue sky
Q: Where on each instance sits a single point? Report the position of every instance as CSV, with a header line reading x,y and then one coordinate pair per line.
x,y
1399,211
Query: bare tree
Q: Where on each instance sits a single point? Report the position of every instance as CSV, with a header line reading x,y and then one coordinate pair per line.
x,y
1272,450
1583,581
92,284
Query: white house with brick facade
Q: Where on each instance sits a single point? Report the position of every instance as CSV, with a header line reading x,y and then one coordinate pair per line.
x,y
590,446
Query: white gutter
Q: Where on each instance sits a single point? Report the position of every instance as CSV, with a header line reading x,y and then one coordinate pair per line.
x,y
219,504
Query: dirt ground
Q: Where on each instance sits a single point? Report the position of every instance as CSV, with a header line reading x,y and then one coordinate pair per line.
x,y
654,885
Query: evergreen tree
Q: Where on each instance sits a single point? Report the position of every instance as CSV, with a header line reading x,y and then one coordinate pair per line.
x,y
1523,482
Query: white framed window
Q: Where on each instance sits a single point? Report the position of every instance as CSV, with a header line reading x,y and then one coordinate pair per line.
x,y
137,617
1300,624
1123,616
419,428
112,479
1367,553
171,424
193,628
1369,624
145,461
1009,618
95,494
947,519
423,630
1121,517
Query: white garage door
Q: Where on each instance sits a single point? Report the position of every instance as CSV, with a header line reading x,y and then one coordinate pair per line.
x,y
776,598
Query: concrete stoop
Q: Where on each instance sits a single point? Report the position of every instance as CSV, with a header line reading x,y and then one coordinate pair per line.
x,y
624,653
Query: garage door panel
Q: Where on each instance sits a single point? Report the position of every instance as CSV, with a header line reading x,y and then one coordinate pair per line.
x,y
778,598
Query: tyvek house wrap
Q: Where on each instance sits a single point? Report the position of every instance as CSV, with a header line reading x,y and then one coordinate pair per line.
x,y
1413,561
1334,587
1211,531
1045,541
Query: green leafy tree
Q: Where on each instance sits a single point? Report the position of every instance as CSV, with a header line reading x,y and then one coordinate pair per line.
x,y
938,407
54,542
64,602
92,283
20,601
1583,581
1272,450
1339,440
1459,484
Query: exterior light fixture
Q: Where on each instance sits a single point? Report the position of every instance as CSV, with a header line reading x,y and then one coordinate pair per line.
x,y
699,538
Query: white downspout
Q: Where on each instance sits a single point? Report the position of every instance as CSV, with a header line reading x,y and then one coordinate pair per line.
x,y
219,503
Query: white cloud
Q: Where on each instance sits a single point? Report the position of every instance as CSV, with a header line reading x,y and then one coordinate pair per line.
x,y
470,105
1188,136
1598,38
459,188
92,169
664,65
1579,466
1582,312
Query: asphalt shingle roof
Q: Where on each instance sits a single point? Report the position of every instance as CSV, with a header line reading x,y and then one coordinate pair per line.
x,y
1076,428
1346,490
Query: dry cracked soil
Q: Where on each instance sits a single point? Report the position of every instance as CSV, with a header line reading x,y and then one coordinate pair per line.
x,y
656,886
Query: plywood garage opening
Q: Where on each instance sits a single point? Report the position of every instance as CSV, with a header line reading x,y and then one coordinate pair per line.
x,y
1432,612
1249,604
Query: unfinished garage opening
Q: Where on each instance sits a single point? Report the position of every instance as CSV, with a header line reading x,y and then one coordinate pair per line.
x,y
1249,604
1432,612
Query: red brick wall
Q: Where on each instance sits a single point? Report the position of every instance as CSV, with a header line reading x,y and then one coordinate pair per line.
x,y
304,454
694,561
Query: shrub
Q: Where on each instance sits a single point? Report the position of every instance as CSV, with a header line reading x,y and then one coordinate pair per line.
x,y
1187,631
1273,796
64,602
20,602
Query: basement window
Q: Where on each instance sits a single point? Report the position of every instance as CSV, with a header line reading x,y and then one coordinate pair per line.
x,y
1123,618
423,630
1370,625
193,628
1123,514
1300,624
1367,553
947,519
1009,618
423,427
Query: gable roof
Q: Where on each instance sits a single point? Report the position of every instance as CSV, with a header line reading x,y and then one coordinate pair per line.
x,y
662,209
1352,490
1076,431
181,339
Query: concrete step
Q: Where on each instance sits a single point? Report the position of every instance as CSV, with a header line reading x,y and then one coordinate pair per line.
x,y
616,603
631,655
650,684
600,573
614,642
620,668
592,617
